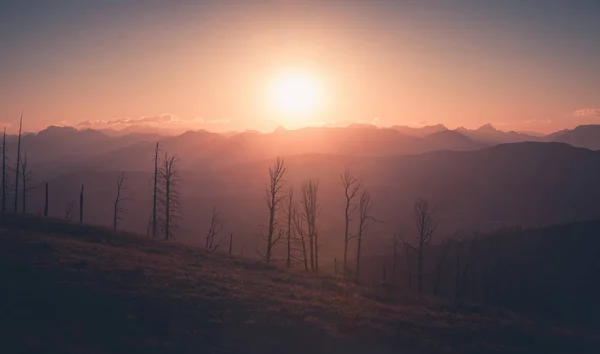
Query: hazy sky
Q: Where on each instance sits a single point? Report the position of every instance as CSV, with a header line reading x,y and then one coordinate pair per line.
x,y
519,64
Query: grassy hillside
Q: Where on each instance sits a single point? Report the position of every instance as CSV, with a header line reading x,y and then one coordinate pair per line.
x,y
74,289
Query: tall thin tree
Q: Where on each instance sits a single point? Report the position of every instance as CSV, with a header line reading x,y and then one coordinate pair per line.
x,y
81,205
365,220
273,198
118,207
310,213
46,201
426,225
18,161
213,241
4,180
169,174
155,192
352,187
290,229
27,178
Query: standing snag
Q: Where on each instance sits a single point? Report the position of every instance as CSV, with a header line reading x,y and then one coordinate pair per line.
x,y
289,213
213,241
18,162
169,174
423,217
155,192
4,179
81,205
310,213
118,208
365,220
352,187
27,178
273,198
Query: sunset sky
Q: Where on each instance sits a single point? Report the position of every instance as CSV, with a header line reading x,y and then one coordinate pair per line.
x,y
518,64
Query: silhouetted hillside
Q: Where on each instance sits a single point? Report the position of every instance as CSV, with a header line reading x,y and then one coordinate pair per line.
x,y
82,289
586,136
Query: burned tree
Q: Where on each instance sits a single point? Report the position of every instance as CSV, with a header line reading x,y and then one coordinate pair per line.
x,y
366,219
81,205
169,175
273,198
213,241
352,187
155,192
118,207
46,201
289,213
69,211
310,214
300,236
4,179
425,225
26,178
18,161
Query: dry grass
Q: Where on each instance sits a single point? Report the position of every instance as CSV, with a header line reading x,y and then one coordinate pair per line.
x,y
81,289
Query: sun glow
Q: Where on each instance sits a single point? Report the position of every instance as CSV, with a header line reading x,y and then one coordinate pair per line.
x,y
294,96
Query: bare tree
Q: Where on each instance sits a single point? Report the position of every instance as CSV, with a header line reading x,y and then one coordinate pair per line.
x,y
366,219
69,210
310,214
396,239
118,207
18,162
27,177
155,192
81,205
169,174
300,236
273,198
230,242
4,179
289,213
212,236
46,201
352,187
423,217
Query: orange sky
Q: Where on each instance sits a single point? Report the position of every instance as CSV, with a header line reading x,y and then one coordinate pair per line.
x,y
201,65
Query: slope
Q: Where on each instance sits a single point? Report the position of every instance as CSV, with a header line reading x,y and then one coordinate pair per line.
x,y
83,289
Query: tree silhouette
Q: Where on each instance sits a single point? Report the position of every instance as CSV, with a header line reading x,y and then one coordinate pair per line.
x,y
4,179
18,161
352,187
273,198
213,241
310,213
366,219
289,213
169,175
118,207
155,192
423,217
26,177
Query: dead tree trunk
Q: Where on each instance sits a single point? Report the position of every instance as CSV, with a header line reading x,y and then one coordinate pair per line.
x,y
27,178
273,199
46,201
311,211
4,180
170,175
155,192
365,220
230,243
118,209
18,163
290,215
352,186
81,205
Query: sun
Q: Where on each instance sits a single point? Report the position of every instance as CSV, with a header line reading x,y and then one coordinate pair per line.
x,y
294,96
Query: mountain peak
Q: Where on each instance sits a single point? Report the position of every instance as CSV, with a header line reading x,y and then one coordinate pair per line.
x,y
487,127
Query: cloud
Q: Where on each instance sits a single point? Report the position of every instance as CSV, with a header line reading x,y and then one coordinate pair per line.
x,y
587,112
166,120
